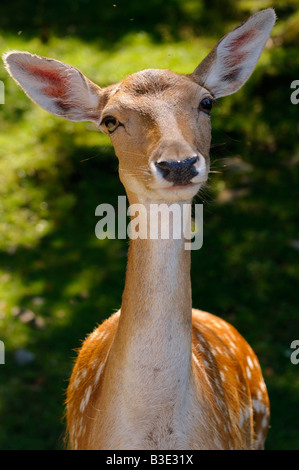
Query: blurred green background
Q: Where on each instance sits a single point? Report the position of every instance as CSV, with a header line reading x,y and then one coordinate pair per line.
x,y
57,280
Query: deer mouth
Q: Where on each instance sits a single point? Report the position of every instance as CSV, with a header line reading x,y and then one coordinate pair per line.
x,y
182,186
175,192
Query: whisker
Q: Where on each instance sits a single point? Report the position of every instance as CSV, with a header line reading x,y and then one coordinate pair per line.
x,y
138,172
90,158
220,144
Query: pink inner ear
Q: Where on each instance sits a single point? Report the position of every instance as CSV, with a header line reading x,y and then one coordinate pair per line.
x,y
242,40
55,92
55,85
237,55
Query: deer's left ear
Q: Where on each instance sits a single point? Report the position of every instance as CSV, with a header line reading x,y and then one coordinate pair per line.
x,y
57,87
233,59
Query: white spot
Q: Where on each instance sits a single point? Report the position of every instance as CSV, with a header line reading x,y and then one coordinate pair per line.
x,y
80,377
196,360
249,362
265,421
85,399
77,381
248,373
102,335
97,376
259,406
201,348
263,386
222,376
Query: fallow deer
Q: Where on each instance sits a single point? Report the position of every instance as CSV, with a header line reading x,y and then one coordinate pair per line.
x,y
158,374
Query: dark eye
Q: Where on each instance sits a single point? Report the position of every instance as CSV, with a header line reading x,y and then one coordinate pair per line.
x,y
206,105
110,124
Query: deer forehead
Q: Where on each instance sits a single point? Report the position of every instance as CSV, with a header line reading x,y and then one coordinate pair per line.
x,y
155,93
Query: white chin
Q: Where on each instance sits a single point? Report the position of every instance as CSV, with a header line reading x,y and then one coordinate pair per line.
x,y
177,193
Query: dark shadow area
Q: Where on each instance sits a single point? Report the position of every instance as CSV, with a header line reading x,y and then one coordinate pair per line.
x,y
57,261
108,22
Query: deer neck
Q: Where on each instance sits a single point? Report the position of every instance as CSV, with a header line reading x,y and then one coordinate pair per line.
x,y
153,341
157,293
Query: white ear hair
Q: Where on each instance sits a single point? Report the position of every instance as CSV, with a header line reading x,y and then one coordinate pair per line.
x,y
57,87
234,58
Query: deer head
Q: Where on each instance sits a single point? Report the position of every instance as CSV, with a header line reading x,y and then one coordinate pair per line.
x,y
158,120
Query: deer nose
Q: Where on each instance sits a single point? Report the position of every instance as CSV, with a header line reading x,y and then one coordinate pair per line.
x,y
179,172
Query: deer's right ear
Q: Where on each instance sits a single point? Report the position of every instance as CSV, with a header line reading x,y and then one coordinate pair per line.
x,y
57,87
233,59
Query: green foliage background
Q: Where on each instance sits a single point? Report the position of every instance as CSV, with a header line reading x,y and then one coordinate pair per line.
x,y
57,280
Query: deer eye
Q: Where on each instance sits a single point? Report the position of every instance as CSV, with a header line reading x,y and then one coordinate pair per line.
x,y
206,105
110,124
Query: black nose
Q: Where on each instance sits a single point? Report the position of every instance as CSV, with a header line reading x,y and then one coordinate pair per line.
x,y
178,172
